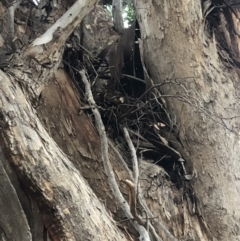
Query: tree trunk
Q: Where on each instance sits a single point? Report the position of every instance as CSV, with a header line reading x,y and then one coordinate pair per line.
x,y
203,100
56,181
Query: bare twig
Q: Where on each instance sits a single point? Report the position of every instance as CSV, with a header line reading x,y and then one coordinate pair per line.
x,y
121,159
134,189
140,98
134,157
133,77
144,236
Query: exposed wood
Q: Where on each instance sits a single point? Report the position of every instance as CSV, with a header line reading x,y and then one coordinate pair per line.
x,y
181,60
43,56
43,168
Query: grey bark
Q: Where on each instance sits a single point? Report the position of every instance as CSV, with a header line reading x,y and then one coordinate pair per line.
x,y
43,170
117,15
177,47
69,208
13,223
203,103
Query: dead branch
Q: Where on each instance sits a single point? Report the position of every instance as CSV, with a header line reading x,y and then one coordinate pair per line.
x,y
144,236
134,189
134,158
133,77
46,51
121,159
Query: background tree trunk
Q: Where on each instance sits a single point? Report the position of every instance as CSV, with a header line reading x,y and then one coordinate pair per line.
x,y
54,185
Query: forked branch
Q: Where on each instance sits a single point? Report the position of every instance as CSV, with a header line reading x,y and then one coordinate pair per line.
x,y
41,58
144,236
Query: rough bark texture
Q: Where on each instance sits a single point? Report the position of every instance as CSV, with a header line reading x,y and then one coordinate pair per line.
x,y
14,224
43,170
69,208
53,181
204,105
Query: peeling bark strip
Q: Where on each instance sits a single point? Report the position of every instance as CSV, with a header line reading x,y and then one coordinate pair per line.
x,y
42,167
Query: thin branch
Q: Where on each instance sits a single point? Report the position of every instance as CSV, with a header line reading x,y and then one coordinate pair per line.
x,y
140,98
120,158
133,77
106,162
134,157
135,188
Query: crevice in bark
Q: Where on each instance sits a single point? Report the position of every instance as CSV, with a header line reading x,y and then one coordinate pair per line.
x,y
221,24
126,96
